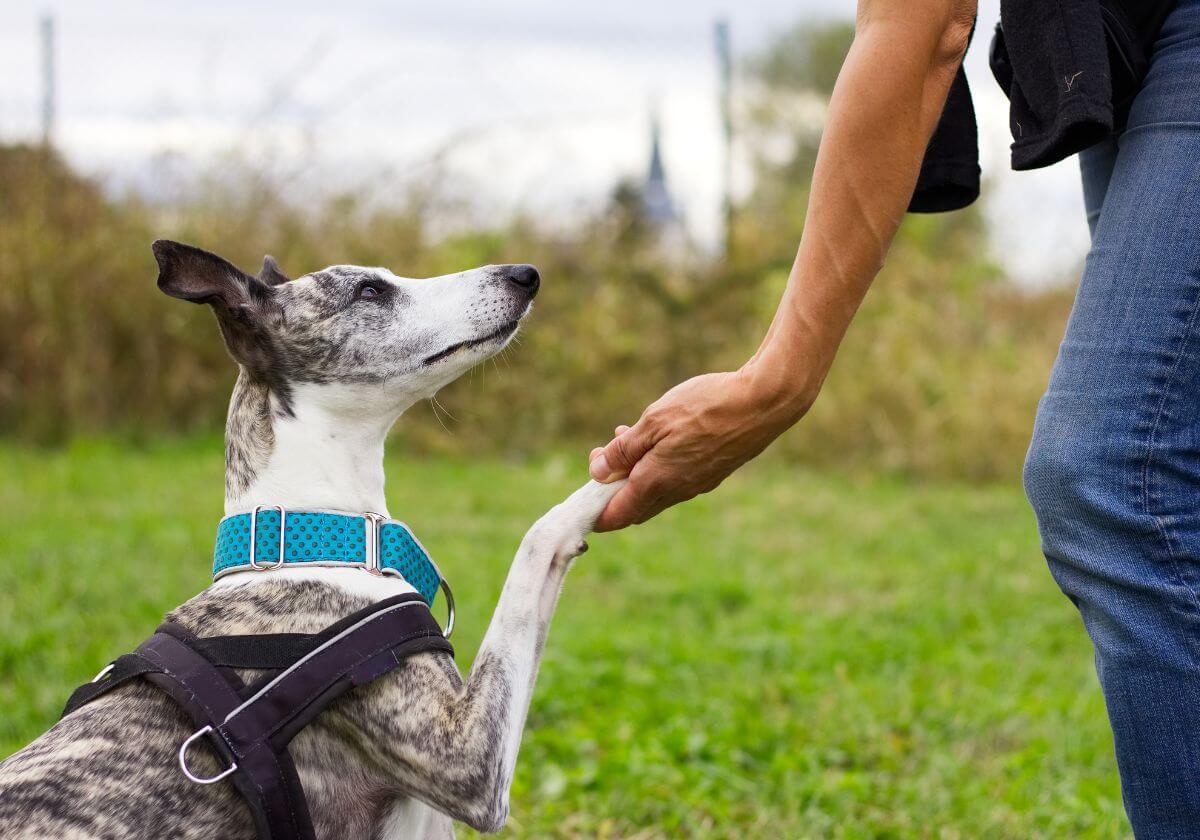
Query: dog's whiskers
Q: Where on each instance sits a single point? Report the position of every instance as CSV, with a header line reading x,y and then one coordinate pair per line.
x,y
436,405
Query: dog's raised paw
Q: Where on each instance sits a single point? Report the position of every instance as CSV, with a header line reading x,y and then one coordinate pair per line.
x,y
585,505
562,530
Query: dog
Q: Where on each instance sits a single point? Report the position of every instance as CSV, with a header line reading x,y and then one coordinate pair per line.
x,y
327,362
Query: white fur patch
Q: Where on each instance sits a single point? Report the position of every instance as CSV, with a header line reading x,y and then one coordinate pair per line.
x,y
352,581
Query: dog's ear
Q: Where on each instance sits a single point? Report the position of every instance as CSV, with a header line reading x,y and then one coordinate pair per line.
x,y
238,299
196,275
271,273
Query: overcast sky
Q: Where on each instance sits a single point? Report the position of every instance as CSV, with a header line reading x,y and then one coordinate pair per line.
x,y
541,104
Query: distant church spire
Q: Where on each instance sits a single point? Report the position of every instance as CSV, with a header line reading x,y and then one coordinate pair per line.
x,y
659,206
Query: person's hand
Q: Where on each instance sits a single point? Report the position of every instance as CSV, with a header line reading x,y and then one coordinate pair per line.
x,y
686,443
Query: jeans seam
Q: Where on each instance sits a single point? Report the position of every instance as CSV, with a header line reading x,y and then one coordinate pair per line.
x,y
1137,129
1148,464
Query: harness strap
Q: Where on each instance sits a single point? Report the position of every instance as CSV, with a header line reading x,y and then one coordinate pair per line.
x,y
188,677
366,650
268,652
267,781
274,651
251,727
123,669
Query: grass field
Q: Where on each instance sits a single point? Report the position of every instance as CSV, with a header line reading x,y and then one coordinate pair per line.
x,y
800,655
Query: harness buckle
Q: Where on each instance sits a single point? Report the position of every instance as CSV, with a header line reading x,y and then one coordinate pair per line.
x,y
183,765
254,564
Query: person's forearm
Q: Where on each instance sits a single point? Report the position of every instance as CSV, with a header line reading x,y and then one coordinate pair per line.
x,y
888,98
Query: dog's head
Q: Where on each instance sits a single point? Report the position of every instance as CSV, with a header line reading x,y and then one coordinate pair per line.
x,y
402,338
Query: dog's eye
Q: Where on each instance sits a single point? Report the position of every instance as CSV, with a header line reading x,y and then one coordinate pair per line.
x,y
368,291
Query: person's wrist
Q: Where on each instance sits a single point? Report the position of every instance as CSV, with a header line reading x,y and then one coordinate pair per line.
x,y
780,388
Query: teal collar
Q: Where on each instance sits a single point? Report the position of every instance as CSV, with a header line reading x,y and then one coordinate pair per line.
x,y
324,538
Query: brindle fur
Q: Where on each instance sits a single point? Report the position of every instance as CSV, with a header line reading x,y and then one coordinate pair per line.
x,y
373,760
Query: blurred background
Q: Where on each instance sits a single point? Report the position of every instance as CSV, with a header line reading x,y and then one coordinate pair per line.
x,y
653,159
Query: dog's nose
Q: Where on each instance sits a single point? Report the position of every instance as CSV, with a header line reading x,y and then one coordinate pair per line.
x,y
525,276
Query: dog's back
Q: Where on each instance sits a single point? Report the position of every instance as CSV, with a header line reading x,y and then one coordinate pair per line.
x,y
110,769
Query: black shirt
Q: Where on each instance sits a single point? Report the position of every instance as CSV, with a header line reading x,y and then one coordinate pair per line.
x,y
1070,69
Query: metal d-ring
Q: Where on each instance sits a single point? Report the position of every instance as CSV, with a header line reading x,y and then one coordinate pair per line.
x,y
449,609
254,564
200,780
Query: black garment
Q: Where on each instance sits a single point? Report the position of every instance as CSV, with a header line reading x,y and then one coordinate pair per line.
x,y
1070,68
949,177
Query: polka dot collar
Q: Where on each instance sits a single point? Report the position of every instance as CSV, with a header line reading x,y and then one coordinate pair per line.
x,y
324,538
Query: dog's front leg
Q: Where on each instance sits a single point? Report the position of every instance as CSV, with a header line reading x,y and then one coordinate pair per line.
x,y
454,745
515,638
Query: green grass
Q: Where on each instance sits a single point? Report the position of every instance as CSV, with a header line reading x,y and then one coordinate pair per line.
x,y
798,655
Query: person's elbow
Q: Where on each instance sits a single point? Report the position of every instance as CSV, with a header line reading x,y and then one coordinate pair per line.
x,y
939,30
957,25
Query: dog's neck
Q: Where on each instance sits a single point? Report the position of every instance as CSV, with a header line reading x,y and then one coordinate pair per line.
x,y
321,448
311,447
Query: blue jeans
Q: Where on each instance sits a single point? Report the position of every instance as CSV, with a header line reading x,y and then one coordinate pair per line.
x,y
1113,471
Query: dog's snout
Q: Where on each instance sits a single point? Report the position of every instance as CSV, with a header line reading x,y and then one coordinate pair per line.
x,y
525,276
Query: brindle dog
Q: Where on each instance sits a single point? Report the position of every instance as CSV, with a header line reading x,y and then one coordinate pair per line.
x,y
327,363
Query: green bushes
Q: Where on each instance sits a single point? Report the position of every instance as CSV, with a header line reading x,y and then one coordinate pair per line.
x,y
939,375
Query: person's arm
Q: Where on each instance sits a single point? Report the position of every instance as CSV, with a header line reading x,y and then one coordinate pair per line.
x,y
887,100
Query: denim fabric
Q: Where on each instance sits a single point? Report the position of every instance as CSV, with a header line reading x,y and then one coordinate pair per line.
x,y
1113,471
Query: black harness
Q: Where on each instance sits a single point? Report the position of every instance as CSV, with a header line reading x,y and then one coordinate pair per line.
x,y
250,726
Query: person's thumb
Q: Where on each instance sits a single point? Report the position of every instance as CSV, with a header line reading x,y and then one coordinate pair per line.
x,y
626,449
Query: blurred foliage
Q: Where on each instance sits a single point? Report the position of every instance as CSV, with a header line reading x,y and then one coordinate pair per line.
x,y
939,375
804,58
